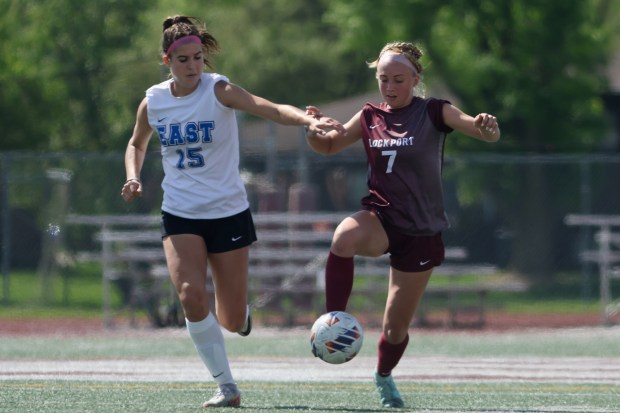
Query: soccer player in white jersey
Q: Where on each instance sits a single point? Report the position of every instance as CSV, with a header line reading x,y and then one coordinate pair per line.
x,y
206,219
403,213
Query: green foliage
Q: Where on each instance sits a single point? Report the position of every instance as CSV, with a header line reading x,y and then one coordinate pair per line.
x,y
534,64
284,52
25,97
72,72
62,72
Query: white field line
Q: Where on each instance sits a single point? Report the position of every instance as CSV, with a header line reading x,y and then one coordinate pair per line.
x,y
419,369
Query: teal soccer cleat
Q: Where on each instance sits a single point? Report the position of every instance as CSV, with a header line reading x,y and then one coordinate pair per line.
x,y
390,397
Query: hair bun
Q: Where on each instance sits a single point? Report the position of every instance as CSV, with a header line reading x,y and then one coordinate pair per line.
x,y
172,20
168,22
417,53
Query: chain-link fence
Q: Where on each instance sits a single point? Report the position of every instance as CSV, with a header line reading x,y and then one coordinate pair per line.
x,y
505,210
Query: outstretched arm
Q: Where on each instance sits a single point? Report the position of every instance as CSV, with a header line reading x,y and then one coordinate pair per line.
x,y
484,126
236,97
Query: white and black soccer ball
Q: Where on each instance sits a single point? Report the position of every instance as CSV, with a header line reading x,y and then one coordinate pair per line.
x,y
336,337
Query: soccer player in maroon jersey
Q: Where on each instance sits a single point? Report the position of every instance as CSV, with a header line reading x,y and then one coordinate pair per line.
x,y
403,213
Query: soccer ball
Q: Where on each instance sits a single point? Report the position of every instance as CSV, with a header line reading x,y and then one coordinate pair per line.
x,y
336,337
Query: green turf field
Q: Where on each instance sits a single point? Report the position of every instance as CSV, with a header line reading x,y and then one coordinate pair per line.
x,y
58,396
573,370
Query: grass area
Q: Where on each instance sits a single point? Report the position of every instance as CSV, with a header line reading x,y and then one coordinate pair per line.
x,y
78,293
550,382
531,304
75,293
322,397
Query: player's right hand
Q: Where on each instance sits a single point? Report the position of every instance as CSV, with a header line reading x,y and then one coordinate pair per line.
x,y
132,189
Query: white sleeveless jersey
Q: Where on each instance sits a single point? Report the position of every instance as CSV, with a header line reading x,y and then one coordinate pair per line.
x,y
200,151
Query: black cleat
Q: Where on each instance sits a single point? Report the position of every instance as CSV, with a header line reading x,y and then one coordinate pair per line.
x,y
247,327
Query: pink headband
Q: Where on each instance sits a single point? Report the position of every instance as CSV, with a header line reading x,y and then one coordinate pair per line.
x,y
390,56
191,39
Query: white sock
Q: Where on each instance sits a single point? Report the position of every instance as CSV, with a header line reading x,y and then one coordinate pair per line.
x,y
209,341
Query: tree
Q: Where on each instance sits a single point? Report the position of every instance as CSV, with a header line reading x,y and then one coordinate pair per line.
x,y
61,70
25,102
535,63
74,72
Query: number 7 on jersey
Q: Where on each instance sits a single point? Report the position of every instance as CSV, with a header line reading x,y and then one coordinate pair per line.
x,y
392,155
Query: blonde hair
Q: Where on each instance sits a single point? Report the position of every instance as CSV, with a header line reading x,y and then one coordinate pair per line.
x,y
409,50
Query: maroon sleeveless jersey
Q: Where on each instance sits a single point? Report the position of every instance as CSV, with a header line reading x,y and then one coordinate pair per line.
x,y
404,149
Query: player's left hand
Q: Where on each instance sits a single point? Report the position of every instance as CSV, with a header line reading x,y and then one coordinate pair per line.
x,y
486,122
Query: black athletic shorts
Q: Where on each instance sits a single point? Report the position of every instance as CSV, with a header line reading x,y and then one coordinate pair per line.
x,y
219,234
413,253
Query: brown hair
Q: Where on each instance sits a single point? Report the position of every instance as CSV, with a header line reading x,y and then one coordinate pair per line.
x,y
180,26
409,50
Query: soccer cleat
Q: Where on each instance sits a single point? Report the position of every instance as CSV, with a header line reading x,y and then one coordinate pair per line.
x,y
390,397
227,395
247,327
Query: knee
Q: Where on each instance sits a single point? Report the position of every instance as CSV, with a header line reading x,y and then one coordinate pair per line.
x,y
193,298
344,243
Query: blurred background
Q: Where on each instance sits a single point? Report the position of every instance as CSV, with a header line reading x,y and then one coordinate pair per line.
x,y
72,74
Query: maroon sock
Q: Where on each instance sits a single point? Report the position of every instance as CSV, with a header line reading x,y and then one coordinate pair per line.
x,y
390,355
338,282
